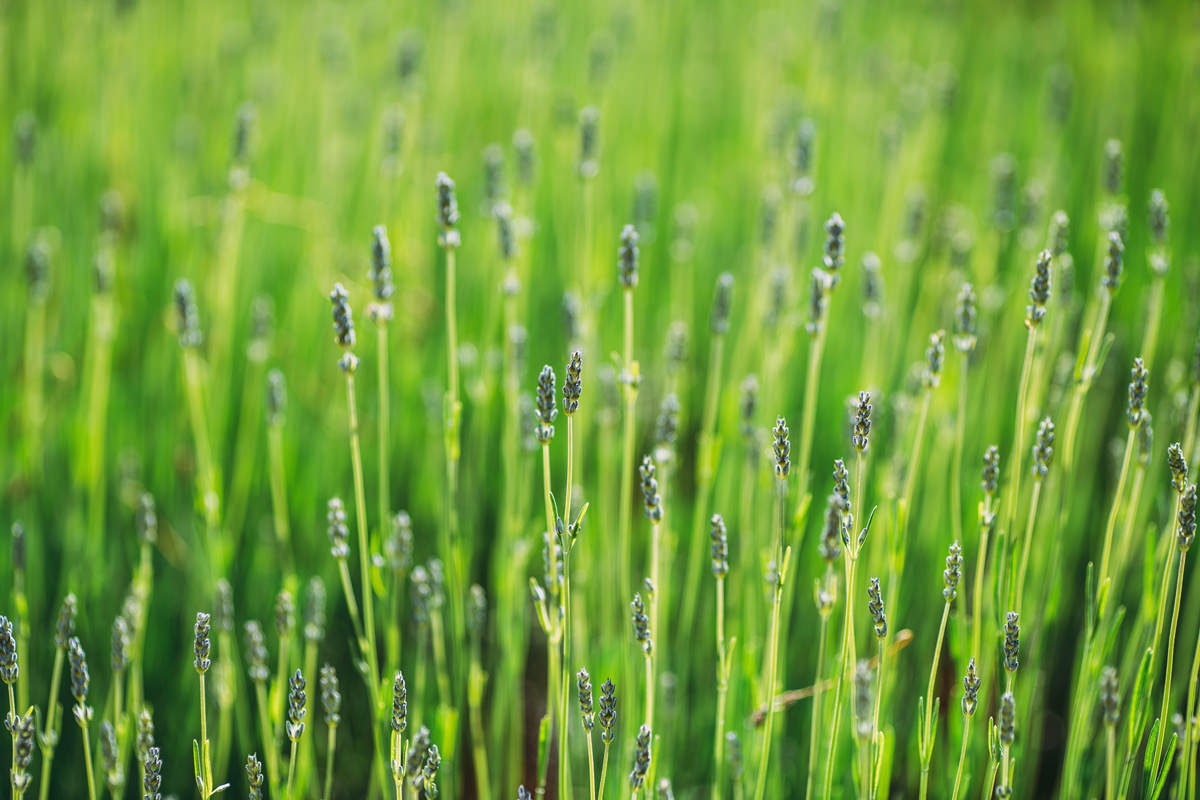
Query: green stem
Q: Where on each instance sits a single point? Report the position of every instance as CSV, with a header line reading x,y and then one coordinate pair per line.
x,y
268,741
1017,586
384,426
980,561
816,349
818,690
927,737
591,768
603,772
1017,455
1110,746
1166,695
278,487
1102,592
1084,381
49,736
626,480
871,755
960,424
962,757
773,647
364,562
329,762
291,771
722,690
87,761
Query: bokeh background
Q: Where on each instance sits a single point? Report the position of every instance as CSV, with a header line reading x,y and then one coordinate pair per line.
x,y
944,134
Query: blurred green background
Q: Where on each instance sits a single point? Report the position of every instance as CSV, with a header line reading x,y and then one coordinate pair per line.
x,y
356,107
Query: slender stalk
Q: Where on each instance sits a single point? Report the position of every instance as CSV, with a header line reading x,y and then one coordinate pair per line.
x,y
564,786
980,561
1017,456
1084,381
329,763
722,690
268,739
962,757
364,563
1110,745
450,541
291,771
960,425
816,349
49,737
591,768
629,379
818,691
1018,583
915,462
927,731
1189,433
1103,593
705,470
781,559
603,771
278,487
206,478
87,761
384,424
1166,694
871,754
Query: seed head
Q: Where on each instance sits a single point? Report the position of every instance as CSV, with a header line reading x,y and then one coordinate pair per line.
x,y
748,406
627,257
339,533
1110,698
964,320
314,610
819,287
187,317
65,628
152,783
971,683
276,398
381,264
782,448
417,749
650,497
664,790
202,647
872,286
835,247
573,385
589,123
108,753
1039,290
1004,188
145,733
25,137
1060,231
1159,219
79,670
862,697
285,614
802,147
1113,166
493,173
666,428
429,770
861,437
522,142
24,730
991,470
254,776
641,760
120,645
934,357
722,302
256,652
952,573
586,710
1008,719
641,624
1138,386
1114,262
399,703
608,711
343,317
830,546
331,698
1012,641
10,666
1043,449
1187,517
720,546
875,608
399,545
477,612
506,236
447,212
297,701
223,606
1178,466
547,408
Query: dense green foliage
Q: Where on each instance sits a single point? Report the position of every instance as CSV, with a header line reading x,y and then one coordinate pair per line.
x,y
251,148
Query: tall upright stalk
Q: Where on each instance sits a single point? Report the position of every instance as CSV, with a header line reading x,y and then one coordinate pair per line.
x,y
782,449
